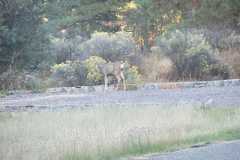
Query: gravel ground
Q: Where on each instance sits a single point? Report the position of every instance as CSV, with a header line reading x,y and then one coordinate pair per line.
x,y
205,96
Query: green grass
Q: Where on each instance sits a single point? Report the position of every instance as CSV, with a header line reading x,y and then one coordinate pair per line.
x,y
3,93
139,149
113,132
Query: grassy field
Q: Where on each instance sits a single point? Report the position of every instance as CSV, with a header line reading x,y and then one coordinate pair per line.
x,y
112,132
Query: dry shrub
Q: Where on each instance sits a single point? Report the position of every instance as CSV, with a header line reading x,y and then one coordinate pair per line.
x,y
158,68
12,80
108,46
231,57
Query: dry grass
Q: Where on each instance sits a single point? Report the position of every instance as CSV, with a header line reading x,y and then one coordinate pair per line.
x,y
109,132
158,68
231,57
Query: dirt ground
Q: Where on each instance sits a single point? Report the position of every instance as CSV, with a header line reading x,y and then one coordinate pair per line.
x,y
205,96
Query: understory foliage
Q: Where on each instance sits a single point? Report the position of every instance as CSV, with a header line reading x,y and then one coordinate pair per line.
x,y
78,73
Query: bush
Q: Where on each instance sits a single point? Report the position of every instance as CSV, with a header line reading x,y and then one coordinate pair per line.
x,y
16,80
93,74
190,52
12,80
230,57
44,70
229,42
109,46
2,93
64,49
133,77
34,83
71,73
219,71
157,68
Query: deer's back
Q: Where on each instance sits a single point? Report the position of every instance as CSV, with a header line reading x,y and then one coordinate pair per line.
x,y
110,68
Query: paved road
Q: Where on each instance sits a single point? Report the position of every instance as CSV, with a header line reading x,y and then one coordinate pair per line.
x,y
222,151
211,96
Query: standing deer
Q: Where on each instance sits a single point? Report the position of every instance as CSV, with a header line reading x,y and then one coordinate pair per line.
x,y
115,69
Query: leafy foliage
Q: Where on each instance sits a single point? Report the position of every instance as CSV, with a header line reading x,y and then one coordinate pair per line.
x,y
21,39
93,74
15,80
190,52
218,13
64,49
151,18
69,74
87,16
133,77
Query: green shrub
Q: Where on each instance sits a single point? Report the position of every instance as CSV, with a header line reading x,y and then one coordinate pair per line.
x,y
93,74
192,55
71,73
230,41
220,71
12,80
34,83
109,46
3,93
86,73
63,48
133,77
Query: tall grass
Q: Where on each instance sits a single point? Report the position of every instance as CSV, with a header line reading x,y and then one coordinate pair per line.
x,y
111,132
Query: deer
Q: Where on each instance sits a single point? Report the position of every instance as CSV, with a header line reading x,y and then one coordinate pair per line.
x,y
115,69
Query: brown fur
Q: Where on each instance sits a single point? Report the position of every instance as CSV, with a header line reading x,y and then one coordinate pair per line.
x,y
115,69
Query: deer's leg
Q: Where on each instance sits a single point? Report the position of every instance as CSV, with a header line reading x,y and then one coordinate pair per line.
x,y
124,80
124,84
105,82
115,84
118,82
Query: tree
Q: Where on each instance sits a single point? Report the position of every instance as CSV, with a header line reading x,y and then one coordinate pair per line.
x,y
218,13
150,18
86,15
27,27
20,34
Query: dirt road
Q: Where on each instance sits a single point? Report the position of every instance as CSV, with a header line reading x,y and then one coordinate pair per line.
x,y
206,96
